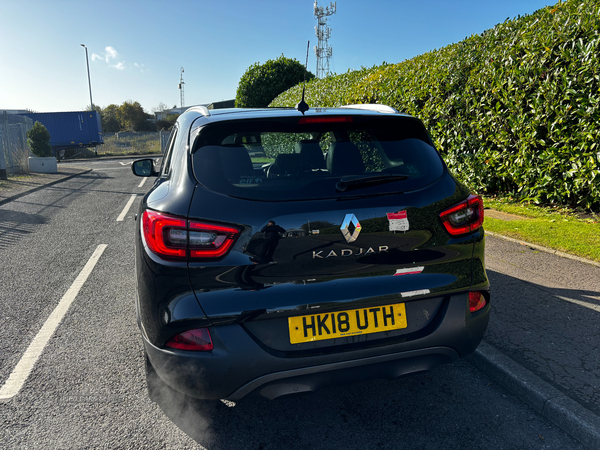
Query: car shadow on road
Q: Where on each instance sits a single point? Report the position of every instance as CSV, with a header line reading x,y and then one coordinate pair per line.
x,y
96,176
15,225
430,410
553,332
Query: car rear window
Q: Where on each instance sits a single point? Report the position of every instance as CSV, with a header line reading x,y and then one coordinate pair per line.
x,y
307,157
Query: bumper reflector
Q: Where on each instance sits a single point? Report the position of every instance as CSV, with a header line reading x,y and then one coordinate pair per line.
x,y
476,301
198,340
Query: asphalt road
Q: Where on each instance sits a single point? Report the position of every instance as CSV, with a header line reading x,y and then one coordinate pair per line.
x,y
88,387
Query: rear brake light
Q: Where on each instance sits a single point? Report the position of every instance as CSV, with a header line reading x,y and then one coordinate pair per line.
x,y
325,119
210,241
198,340
162,234
476,301
176,238
465,217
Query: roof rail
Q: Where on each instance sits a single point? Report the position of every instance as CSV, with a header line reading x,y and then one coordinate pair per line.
x,y
373,107
201,109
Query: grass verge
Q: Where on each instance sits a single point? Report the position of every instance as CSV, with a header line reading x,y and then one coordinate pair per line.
x,y
563,229
131,153
6,184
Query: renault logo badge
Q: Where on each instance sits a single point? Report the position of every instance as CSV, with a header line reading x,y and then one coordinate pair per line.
x,y
350,221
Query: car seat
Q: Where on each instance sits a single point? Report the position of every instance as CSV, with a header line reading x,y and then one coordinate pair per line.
x,y
344,158
311,155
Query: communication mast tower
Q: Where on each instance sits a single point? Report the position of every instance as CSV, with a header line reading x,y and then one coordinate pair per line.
x,y
181,83
323,32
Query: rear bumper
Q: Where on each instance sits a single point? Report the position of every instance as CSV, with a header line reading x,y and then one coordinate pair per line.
x,y
238,366
310,379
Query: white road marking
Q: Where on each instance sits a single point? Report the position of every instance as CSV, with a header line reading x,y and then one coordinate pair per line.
x,y
142,182
580,303
126,209
21,372
125,163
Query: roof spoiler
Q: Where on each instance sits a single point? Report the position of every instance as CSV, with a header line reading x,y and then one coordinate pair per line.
x,y
201,109
373,107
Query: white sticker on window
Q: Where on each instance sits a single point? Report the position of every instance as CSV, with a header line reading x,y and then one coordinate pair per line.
x,y
398,221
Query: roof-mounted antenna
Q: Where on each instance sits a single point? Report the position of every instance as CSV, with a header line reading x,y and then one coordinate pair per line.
x,y
303,106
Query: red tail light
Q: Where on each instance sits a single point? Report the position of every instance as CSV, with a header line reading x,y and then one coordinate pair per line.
x,y
210,241
465,217
198,340
476,301
159,230
176,238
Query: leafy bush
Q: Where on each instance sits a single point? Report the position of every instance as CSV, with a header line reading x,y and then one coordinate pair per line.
x,y
129,116
167,122
261,83
515,110
38,138
132,117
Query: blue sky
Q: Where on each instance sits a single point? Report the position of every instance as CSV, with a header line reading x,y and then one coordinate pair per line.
x,y
136,49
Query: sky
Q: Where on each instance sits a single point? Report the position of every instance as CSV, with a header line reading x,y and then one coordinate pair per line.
x,y
136,49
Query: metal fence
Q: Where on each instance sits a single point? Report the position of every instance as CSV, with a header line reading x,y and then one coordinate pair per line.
x,y
14,151
164,139
133,143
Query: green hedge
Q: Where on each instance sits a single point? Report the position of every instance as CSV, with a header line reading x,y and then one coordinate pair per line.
x,y
515,110
261,83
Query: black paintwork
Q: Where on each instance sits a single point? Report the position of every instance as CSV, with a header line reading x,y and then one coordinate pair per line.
x,y
245,297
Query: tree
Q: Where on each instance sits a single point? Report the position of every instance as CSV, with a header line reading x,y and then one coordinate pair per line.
x,y
167,122
164,120
96,108
38,138
110,122
160,108
261,83
132,117
129,114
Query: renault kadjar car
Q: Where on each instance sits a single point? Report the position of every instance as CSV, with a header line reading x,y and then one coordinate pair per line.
x,y
279,252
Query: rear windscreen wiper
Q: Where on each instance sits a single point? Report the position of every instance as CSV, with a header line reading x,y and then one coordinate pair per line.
x,y
355,182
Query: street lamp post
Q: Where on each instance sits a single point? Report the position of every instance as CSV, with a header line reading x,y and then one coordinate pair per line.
x,y
88,70
90,84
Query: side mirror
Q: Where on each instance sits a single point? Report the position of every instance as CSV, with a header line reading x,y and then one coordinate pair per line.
x,y
144,168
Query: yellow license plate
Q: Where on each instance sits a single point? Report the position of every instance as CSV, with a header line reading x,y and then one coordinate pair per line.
x,y
317,327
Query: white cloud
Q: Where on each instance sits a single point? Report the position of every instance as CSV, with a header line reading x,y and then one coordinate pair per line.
x,y
140,67
119,66
109,54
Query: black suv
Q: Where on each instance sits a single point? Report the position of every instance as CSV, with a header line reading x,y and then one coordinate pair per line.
x,y
279,252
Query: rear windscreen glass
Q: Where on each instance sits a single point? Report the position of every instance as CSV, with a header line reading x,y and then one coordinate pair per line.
x,y
315,157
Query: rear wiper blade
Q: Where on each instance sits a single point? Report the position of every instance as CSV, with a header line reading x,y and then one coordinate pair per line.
x,y
355,182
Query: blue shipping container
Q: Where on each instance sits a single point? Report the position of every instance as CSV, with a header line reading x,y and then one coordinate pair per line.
x,y
71,129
